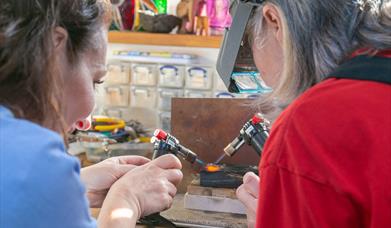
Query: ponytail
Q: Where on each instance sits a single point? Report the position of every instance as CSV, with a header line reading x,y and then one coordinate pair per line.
x,y
374,28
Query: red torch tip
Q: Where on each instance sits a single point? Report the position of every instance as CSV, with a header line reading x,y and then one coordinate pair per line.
x,y
257,118
160,134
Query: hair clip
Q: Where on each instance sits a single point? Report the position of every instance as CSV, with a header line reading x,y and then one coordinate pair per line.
x,y
368,4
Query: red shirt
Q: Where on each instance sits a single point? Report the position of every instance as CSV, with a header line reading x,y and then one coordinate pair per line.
x,y
327,162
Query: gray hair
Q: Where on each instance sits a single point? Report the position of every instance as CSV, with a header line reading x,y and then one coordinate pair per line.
x,y
319,36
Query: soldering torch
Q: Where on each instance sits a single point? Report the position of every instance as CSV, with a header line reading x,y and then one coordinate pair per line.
x,y
253,133
165,143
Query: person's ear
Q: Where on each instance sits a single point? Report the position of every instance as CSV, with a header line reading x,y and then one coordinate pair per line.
x,y
273,21
60,38
59,42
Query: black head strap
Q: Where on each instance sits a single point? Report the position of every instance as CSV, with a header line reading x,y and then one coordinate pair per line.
x,y
253,1
364,67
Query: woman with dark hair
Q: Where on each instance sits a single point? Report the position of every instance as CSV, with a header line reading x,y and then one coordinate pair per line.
x,y
52,53
327,162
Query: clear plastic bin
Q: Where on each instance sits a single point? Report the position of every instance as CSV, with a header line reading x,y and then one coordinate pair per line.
x,y
117,73
171,76
165,121
165,96
197,94
143,97
116,95
198,78
148,117
100,96
143,74
114,112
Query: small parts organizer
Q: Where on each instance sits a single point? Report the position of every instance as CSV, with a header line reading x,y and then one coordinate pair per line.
x,y
143,90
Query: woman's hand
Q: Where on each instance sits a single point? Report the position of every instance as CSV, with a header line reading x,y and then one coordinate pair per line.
x,y
144,190
247,193
99,178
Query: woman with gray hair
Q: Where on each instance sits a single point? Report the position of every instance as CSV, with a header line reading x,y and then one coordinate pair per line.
x,y
327,162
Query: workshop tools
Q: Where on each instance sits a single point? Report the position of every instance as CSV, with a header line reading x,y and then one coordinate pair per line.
x,y
211,177
253,133
103,123
165,143
211,174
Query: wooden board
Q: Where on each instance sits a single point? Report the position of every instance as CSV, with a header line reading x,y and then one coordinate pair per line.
x,y
212,199
214,204
196,218
209,191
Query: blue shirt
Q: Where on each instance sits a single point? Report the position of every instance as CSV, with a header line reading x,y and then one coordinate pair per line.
x,y
40,184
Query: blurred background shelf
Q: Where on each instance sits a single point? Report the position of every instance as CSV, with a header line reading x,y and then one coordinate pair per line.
x,y
165,39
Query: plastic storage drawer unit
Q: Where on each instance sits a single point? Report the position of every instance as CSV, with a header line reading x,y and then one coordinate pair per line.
x,y
171,76
143,74
198,78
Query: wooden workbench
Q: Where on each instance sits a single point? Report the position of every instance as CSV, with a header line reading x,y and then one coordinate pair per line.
x,y
193,218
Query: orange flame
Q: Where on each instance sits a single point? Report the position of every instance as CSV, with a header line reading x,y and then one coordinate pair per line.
x,y
212,168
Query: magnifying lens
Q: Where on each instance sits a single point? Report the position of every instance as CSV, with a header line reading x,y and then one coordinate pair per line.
x,y
235,63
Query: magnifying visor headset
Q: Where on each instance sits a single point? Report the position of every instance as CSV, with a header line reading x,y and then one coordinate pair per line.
x,y
235,63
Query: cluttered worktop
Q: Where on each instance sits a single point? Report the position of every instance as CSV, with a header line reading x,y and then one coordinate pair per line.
x,y
183,217
207,195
